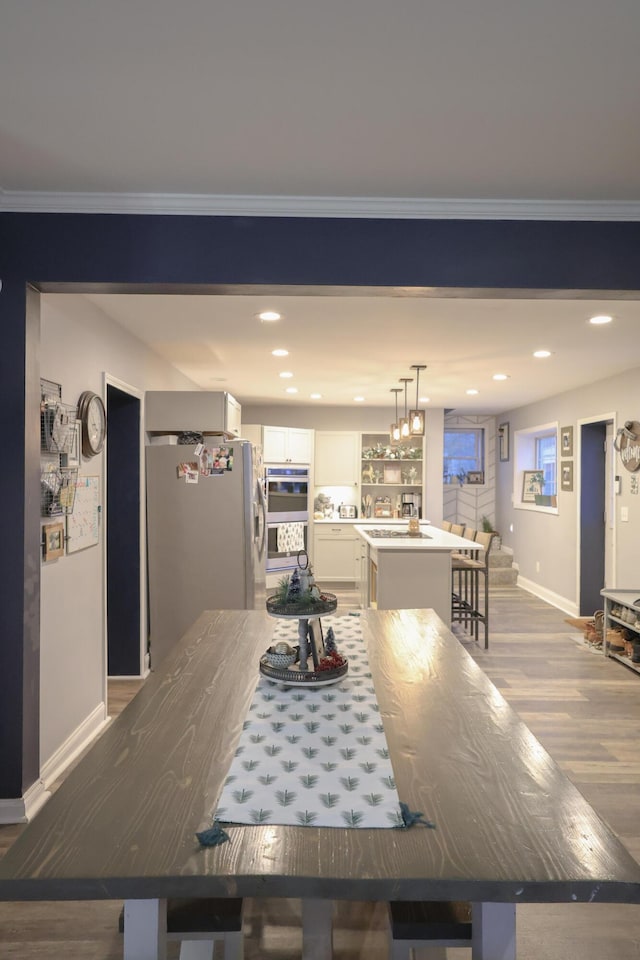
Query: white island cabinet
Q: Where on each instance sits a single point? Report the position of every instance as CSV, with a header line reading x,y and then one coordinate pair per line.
x,y
407,573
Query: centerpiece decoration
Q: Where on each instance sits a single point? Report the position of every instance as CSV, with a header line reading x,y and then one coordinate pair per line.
x,y
314,659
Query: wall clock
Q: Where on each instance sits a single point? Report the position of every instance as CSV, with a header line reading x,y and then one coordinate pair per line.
x,y
93,418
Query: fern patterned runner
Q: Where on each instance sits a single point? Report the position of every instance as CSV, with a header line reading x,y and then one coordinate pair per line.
x,y
314,756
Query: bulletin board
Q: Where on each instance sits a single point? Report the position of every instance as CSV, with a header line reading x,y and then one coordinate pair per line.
x,y
83,525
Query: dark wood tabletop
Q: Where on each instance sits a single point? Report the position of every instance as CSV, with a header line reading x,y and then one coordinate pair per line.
x,y
510,827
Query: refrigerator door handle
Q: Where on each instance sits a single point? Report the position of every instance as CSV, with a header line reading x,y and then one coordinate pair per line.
x,y
262,519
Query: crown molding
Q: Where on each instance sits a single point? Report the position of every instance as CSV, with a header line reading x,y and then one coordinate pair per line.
x,y
397,208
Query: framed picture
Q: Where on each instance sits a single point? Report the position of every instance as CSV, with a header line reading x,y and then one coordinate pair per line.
x,y
475,476
532,484
392,474
566,441
566,475
53,540
503,441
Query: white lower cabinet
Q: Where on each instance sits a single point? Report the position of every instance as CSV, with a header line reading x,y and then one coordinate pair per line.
x,y
336,553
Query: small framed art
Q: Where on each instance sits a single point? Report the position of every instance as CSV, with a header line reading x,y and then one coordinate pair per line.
x,y
503,441
566,441
566,475
475,476
53,540
532,484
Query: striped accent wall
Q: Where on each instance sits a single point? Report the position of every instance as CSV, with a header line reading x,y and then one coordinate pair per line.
x,y
469,503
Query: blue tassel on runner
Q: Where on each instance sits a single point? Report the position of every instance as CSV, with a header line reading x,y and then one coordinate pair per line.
x,y
212,837
410,818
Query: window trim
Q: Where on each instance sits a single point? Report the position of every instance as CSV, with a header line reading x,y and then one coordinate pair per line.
x,y
524,459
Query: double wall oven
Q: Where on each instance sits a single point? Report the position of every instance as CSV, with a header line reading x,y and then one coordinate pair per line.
x,y
287,496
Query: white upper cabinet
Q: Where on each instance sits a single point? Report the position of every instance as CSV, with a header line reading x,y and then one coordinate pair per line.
x,y
337,459
286,445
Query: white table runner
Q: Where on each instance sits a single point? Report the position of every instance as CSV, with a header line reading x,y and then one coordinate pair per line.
x,y
314,756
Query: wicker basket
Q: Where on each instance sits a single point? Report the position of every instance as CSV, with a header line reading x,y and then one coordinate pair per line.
x,y
281,659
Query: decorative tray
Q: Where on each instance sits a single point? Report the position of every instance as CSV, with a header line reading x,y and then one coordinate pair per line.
x,y
326,603
295,677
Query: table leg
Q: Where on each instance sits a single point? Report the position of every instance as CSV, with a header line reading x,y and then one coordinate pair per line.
x,y
494,931
145,930
316,930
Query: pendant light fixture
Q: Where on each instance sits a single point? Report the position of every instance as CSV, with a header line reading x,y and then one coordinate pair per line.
x,y
405,430
416,417
394,430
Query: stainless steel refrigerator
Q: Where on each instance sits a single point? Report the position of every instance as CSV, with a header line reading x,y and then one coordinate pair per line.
x,y
206,538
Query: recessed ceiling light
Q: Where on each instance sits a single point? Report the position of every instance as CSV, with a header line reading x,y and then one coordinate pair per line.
x,y
291,390
280,352
541,354
500,376
359,399
316,396
601,319
286,374
472,392
424,400
268,316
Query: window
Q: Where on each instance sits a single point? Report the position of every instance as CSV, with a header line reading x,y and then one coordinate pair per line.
x,y
546,461
463,451
536,449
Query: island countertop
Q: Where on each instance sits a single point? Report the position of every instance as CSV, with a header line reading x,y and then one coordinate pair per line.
x,y
436,540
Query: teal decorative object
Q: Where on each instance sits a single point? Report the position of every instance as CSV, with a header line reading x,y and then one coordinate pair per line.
x,y
212,837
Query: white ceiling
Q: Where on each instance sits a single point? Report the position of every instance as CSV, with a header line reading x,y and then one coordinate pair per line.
x,y
343,98
343,347
419,100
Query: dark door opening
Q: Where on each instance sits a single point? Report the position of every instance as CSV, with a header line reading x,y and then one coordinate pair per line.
x,y
123,534
592,515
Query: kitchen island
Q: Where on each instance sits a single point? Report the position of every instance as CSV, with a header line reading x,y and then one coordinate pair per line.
x,y
403,572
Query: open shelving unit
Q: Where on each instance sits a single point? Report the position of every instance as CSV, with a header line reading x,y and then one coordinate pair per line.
x,y
616,603
395,467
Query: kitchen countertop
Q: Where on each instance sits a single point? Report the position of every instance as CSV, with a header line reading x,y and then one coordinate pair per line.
x,y
439,540
372,521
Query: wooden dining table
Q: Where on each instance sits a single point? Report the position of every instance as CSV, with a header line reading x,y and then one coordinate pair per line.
x,y
509,827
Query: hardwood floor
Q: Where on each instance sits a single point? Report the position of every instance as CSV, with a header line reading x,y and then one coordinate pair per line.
x,y
584,710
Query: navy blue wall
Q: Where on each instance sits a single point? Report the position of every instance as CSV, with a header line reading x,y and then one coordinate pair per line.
x,y
122,249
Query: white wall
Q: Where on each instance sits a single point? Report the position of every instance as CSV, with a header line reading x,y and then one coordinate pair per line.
x,y
79,344
552,540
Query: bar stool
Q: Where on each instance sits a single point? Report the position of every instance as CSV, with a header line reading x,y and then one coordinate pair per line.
x,y
464,582
446,525
199,923
428,923
466,610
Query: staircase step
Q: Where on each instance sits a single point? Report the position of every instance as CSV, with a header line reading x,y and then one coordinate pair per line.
x,y
500,558
505,576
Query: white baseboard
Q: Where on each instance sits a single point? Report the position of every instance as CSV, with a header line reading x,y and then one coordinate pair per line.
x,y
22,809
567,606
74,745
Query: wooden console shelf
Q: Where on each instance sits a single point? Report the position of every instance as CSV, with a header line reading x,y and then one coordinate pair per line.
x,y
616,605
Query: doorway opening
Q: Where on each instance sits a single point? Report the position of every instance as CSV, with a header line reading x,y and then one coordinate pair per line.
x,y
595,521
126,653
